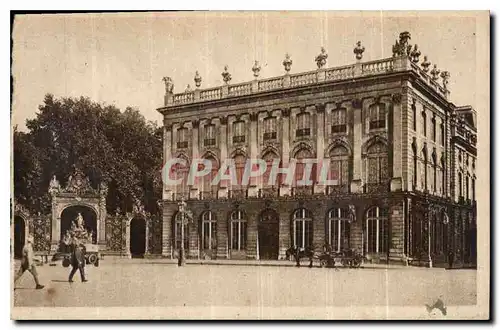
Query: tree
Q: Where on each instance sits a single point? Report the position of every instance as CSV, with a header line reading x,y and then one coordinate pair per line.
x,y
120,148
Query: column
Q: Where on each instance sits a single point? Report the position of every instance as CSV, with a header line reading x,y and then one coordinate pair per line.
x,y
223,154
194,192
253,188
319,188
285,143
169,209
397,232
319,215
167,154
397,143
357,122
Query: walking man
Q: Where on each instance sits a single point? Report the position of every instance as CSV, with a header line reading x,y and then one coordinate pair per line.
x,y
77,262
28,263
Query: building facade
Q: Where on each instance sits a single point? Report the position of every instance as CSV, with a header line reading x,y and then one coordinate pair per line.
x,y
401,154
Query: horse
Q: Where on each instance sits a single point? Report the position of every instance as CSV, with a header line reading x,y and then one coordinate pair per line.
x,y
299,253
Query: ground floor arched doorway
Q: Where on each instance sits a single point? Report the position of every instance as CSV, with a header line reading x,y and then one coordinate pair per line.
x,y
268,235
19,236
69,216
137,237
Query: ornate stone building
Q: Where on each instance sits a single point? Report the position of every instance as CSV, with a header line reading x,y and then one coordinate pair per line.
x,y
402,155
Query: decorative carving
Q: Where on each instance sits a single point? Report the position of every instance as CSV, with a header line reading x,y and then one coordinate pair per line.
x,y
256,69
402,47
287,63
445,75
396,98
197,79
196,123
254,116
352,213
223,120
415,54
78,183
321,58
169,85
285,112
357,103
226,76
425,64
54,186
19,208
168,128
188,89
359,50
435,72
320,108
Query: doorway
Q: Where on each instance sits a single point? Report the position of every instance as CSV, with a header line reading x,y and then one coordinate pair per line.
x,y
137,238
268,235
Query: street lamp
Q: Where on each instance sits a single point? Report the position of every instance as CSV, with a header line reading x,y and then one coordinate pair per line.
x,y
185,216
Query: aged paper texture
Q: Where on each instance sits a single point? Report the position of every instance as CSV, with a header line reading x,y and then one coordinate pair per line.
x,y
251,165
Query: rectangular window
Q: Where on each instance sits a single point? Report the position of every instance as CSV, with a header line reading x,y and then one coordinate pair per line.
x,y
414,116
442,133
270,129
182,138
304,125
467,187
239,132
424,123
209,135
339,123
460,185
377,116
434,129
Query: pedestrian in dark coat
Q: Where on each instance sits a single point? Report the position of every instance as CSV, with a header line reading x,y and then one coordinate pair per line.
x,y
78,262
297,256
451,258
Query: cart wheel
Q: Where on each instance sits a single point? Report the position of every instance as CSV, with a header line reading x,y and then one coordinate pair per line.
x,y
356,263
92,259
65,262
323,263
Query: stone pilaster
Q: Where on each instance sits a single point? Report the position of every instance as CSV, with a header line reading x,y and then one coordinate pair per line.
x,y
167,155
319,212
397,232
252,234
222,235
223,189
320,146
169,210
397,143
285,143
253,188
357,183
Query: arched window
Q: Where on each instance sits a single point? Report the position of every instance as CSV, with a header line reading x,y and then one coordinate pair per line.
x,y
377,164
423,169
239,131
302,228
460,185
442,176
424,123
339,165
178,232
209,190
300,156
208,231
238,231
269,158
338,229
377,230
270,129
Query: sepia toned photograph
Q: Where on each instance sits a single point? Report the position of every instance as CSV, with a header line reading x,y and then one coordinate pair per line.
x,y
269,165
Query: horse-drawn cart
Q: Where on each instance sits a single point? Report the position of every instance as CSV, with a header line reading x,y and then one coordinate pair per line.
x,y
347,258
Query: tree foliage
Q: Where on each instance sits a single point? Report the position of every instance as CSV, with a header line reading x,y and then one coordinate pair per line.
x,y
120,148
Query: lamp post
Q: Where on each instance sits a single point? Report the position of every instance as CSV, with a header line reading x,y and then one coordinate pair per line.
x,y
185,216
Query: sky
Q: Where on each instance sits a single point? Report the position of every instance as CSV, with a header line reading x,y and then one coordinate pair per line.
x,y
120,59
